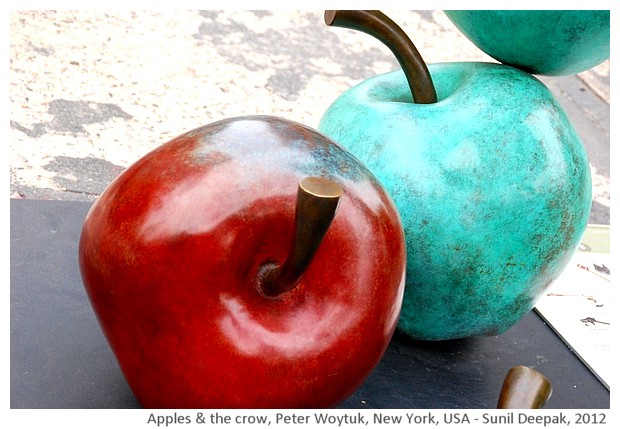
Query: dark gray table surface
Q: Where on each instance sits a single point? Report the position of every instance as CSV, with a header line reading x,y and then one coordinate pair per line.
x,y
60,359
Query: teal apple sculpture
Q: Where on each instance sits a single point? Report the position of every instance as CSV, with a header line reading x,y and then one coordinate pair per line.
x,y
545,42
490,178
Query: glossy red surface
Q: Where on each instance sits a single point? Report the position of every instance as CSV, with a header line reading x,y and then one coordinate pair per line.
x,y
170,252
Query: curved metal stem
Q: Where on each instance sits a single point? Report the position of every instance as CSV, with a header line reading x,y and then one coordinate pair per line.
x,y
381,27
317,202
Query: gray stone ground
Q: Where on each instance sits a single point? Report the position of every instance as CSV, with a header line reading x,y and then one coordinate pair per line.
x,y
93,91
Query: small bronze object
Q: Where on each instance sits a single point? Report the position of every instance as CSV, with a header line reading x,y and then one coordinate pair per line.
x,y
524,388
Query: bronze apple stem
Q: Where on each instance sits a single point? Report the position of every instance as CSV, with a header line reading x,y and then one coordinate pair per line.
x,y
524,387
378,25
317,202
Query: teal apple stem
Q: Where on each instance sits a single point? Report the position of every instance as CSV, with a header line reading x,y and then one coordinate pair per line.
x,y
317,202
378,25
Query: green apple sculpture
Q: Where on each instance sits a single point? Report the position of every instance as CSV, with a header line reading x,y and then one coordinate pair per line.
x,y
489,176
545,42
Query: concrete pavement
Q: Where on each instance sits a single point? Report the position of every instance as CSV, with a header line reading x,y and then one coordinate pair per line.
x,y
93,91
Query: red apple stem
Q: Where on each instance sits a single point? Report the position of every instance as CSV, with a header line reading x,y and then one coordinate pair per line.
x,y
523,388
317,203
378,25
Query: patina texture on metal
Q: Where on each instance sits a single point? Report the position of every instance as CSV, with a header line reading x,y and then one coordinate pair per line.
x,y
492,183
544,42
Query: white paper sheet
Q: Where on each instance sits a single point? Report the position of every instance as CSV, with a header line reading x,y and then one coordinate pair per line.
x,y
578,307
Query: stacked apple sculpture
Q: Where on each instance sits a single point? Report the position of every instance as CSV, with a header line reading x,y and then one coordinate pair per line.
x,y
544,42
250,263
490,177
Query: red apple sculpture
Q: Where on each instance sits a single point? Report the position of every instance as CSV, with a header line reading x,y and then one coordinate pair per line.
x,y
219,284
